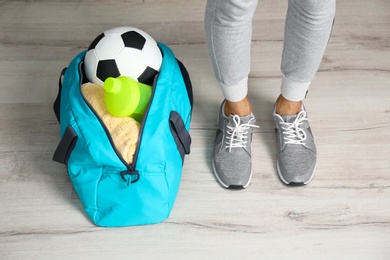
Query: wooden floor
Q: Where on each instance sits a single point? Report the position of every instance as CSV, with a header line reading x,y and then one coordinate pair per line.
x,y
344,213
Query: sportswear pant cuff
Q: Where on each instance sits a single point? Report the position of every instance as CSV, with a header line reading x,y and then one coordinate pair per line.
x,y
292,90
237,92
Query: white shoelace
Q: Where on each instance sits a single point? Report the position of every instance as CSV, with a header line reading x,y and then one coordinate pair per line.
x,y
293,131
237,134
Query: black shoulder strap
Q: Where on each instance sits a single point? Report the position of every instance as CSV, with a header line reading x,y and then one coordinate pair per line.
x,y
57,102
187,81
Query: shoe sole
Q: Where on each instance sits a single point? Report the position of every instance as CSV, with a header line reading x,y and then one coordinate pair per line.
x,y
232,186
294,183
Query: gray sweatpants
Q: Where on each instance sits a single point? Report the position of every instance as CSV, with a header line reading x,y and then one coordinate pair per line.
x,y
228,28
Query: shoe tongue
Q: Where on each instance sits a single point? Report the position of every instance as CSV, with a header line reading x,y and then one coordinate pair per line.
x,y
289,118
243,120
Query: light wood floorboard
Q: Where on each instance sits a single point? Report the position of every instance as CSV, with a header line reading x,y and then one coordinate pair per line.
x,y
344,213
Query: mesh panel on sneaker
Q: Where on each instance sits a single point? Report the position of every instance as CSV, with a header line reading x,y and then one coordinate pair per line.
x,y
232,162
296,160
297,155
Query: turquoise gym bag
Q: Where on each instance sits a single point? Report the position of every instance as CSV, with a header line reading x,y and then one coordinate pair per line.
x,y
115,193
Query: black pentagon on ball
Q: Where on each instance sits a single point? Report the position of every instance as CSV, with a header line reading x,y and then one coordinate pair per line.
x,y
95,42
147,77
132,39
107,68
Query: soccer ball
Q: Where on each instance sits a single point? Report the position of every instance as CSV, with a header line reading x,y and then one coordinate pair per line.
x,y
123,51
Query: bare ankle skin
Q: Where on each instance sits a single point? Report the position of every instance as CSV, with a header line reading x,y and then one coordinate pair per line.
x,y
287,107
241,108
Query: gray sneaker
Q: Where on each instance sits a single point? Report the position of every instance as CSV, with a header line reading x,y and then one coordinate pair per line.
x,y
232,162
297,156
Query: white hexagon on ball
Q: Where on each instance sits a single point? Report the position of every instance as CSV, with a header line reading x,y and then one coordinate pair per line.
x,y
131,63
109,47
152,55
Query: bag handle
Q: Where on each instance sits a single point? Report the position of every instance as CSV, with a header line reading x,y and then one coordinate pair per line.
x,y
57,102
66,146
180,134
187,82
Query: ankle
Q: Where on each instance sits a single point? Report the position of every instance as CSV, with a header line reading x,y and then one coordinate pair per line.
x,y
287,107
241,108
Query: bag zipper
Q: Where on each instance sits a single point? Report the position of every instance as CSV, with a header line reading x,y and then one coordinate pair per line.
x,y
131,167
130,171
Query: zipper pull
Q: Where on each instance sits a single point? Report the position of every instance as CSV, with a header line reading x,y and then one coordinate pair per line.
x,y
130,176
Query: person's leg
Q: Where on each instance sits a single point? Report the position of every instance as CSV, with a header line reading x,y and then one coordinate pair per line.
x,y
228,28
307,31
